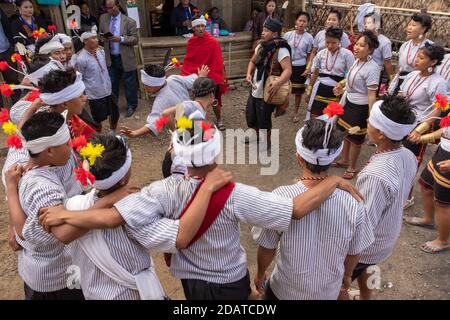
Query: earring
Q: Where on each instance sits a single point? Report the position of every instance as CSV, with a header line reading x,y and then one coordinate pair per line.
x,y
421,37
430,69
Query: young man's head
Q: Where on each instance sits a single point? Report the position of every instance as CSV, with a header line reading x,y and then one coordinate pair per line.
x,y
197,146
85,9
90,41
52,47
153,78
333,38
214,13
63,90
272,29
47,138
390,121
204,89
113,169
311,154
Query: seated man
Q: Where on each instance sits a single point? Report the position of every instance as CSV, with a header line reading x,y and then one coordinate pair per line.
x,y
318,253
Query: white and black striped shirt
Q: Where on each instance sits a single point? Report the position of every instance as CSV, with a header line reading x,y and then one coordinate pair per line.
x,y
44,260
126,252
217,256
311,253
385,184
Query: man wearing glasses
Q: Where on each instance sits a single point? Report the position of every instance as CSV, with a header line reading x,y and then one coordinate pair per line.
x,y
120,35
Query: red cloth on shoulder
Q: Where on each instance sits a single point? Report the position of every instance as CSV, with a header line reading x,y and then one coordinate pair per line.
x,y
205,50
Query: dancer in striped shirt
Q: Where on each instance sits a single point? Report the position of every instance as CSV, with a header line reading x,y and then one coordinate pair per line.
x,y
385,182
317,253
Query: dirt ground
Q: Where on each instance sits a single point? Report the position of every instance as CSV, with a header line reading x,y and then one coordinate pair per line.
x,y
408,274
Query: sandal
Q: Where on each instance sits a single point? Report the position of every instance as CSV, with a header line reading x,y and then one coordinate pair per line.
x,y
349,175
430,247
409,203
338,164
415,221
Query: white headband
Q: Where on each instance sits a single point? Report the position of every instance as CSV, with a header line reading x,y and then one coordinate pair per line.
x,y
87,35
150,81
318,157
64,38
73,91
53,45
393,130
116,176
38,145
199,21
198,155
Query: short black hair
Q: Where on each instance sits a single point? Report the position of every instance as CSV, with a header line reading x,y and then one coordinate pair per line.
x,y
40,42
398,109
424,19
155,70
333,32
203,86
38,61
18,3
313,136
371,39
336,12
303,13
434,52
112,159
57,80
212,9
41,124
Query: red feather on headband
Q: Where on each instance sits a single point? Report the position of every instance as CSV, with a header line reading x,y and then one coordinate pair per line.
x,y
161,123
78,143
445,122
4,66
4,115
333,109
6,90
16,57
14,142
51,28
84,176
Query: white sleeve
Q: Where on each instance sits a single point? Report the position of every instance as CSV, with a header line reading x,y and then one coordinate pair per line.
x,y
283,53
80,202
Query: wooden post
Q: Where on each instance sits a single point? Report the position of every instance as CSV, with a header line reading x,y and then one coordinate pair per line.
x,y
56,16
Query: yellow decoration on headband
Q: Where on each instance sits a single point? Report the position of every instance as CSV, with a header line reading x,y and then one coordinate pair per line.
x,y
184,123
9,128
91,152
41,30
206,16
174,60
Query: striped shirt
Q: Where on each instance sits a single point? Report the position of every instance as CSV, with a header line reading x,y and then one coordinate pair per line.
x,y
44,260
127,252
385,184
311,253
217,256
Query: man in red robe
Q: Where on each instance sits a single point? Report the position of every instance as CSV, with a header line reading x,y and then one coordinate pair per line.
x,y
204,49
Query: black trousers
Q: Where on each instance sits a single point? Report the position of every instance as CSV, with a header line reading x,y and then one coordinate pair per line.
x,y
64,294
203,290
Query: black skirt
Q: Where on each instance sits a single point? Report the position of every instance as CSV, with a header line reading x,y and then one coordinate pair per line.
x,y
355,115
323,96
432,178
297,80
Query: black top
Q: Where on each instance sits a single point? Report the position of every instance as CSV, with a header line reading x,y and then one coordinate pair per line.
x,y
179,15
19,25
6,26
88,22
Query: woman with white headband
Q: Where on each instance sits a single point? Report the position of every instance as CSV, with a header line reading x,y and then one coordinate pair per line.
x,y
169,92
315,255
385,183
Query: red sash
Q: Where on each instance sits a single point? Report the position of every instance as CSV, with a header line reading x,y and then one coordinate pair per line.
x,y
215,206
